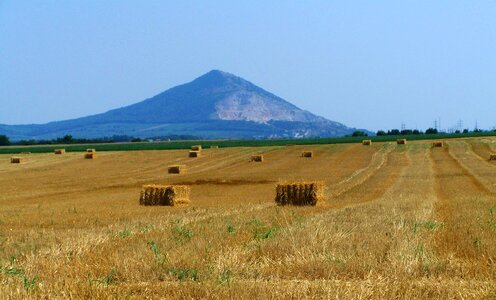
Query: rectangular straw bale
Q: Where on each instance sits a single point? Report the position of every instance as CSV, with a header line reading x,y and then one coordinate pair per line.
x,y
214,147
177,169
307,154
59,151
196,148
90,150
194,154
438,144
367,142
401,141
15,160
300,193
492,157
257,158
165,195
90,155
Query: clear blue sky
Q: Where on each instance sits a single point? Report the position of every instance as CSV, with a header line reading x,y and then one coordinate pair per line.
x,y
368,64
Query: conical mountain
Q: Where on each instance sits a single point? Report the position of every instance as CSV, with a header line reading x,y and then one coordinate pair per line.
x,y
215,105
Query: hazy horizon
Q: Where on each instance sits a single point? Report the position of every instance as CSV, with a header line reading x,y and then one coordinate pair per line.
x,y
367,65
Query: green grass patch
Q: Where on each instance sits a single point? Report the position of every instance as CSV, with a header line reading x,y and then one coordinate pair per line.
x,y
184,274
174,145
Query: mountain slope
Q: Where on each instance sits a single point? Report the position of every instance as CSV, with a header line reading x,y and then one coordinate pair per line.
x,y
215,105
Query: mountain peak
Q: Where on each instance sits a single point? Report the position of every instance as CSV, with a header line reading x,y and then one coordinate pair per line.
x,y
217,104
217,74
220,78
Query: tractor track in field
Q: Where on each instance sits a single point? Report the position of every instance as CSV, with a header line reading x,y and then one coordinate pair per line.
x,y
481,170
464,171
373,184
461,197
482,150
358,177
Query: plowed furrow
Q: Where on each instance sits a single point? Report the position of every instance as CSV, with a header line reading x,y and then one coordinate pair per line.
x,y
462,205
375,184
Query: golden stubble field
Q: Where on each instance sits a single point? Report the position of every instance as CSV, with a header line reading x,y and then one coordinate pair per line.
x,y
399,222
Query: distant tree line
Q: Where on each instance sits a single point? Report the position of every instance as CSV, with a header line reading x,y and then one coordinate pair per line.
x,y
428,131
69,139
406,132
358,133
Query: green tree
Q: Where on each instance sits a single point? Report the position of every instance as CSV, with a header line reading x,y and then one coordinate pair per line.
x,y
4,140
67,139
359,133
431,131
381,133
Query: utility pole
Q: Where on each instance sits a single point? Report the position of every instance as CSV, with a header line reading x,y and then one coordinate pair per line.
x,y
459,125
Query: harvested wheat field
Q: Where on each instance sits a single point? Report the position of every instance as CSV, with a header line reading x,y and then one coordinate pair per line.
x,y
410,222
